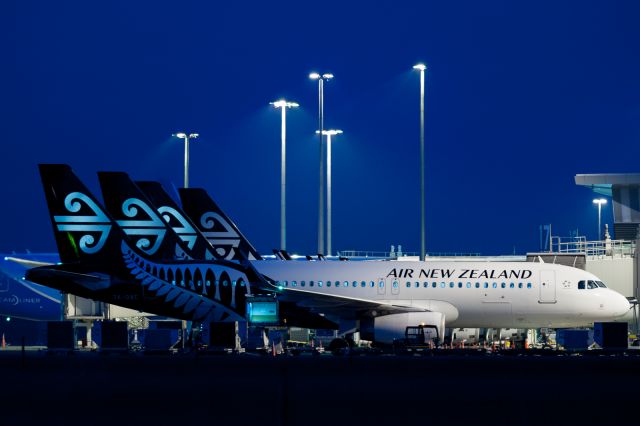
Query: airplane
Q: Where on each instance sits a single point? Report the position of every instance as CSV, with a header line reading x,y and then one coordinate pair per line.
x,y
23,299
378,298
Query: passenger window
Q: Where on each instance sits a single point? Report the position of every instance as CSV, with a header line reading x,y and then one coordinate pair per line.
x,y
468,285
519,285
434,285
319,283
442,285
512,285
372,284
354,284
381,284
310,283
495,285
345,284
451,285
363,284
477,285
301,283
294,284
408,284
459,285
528,285
425,285
417,284
328,283
286,283
486,285
503,285
395,284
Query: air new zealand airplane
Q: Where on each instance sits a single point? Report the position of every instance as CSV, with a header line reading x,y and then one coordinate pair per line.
x,y
145,253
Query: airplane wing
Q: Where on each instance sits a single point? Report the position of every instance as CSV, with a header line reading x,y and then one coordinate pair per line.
x,y
28,263
341,306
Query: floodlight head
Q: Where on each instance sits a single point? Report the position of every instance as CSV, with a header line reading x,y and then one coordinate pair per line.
x,y
193,135
330,132
180,135
420,67
314,76
284,104
600,201
327,76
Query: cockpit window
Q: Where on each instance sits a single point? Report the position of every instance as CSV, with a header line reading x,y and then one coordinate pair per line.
x,y
601,284
591,284
581,285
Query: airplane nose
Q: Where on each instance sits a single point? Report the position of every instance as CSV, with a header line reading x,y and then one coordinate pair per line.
x,y
620,305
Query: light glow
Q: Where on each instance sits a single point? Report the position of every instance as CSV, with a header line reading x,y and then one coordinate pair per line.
x,y
282,103
420,67
600,201
314,76
330,132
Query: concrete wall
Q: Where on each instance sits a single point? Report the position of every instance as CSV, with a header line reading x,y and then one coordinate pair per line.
x,y
616,273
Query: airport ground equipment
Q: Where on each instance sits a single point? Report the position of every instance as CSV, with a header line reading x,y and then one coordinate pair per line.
x,y
611,335
115,336
60,336
573,339
417,339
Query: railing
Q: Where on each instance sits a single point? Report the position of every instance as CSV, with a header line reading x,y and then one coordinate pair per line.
x,y
579,245
389,254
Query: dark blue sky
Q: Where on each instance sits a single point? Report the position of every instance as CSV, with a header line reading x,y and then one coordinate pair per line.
x,y
519,99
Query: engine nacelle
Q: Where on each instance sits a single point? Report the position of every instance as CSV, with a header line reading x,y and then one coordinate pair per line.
x,y
385,329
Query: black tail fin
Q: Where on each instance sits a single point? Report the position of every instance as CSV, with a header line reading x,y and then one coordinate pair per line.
x,y
83,230
138,218
199,247
222,233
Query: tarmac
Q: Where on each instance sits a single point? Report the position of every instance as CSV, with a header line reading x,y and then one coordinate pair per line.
x,y
123,389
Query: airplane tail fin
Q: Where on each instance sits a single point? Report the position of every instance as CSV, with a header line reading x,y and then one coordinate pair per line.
x,y
83,230
198,245
139,219
215,225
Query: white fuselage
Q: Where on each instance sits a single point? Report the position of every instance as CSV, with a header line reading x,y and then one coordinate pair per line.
x,y
470,294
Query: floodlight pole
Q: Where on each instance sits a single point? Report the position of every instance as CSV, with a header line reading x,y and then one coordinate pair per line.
x,y
423,244
283,168
186,138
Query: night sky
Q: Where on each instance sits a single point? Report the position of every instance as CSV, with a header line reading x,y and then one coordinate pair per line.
x,y
519,99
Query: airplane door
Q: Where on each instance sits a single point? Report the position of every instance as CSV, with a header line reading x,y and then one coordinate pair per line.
x,y
395,287
382,287
547,287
